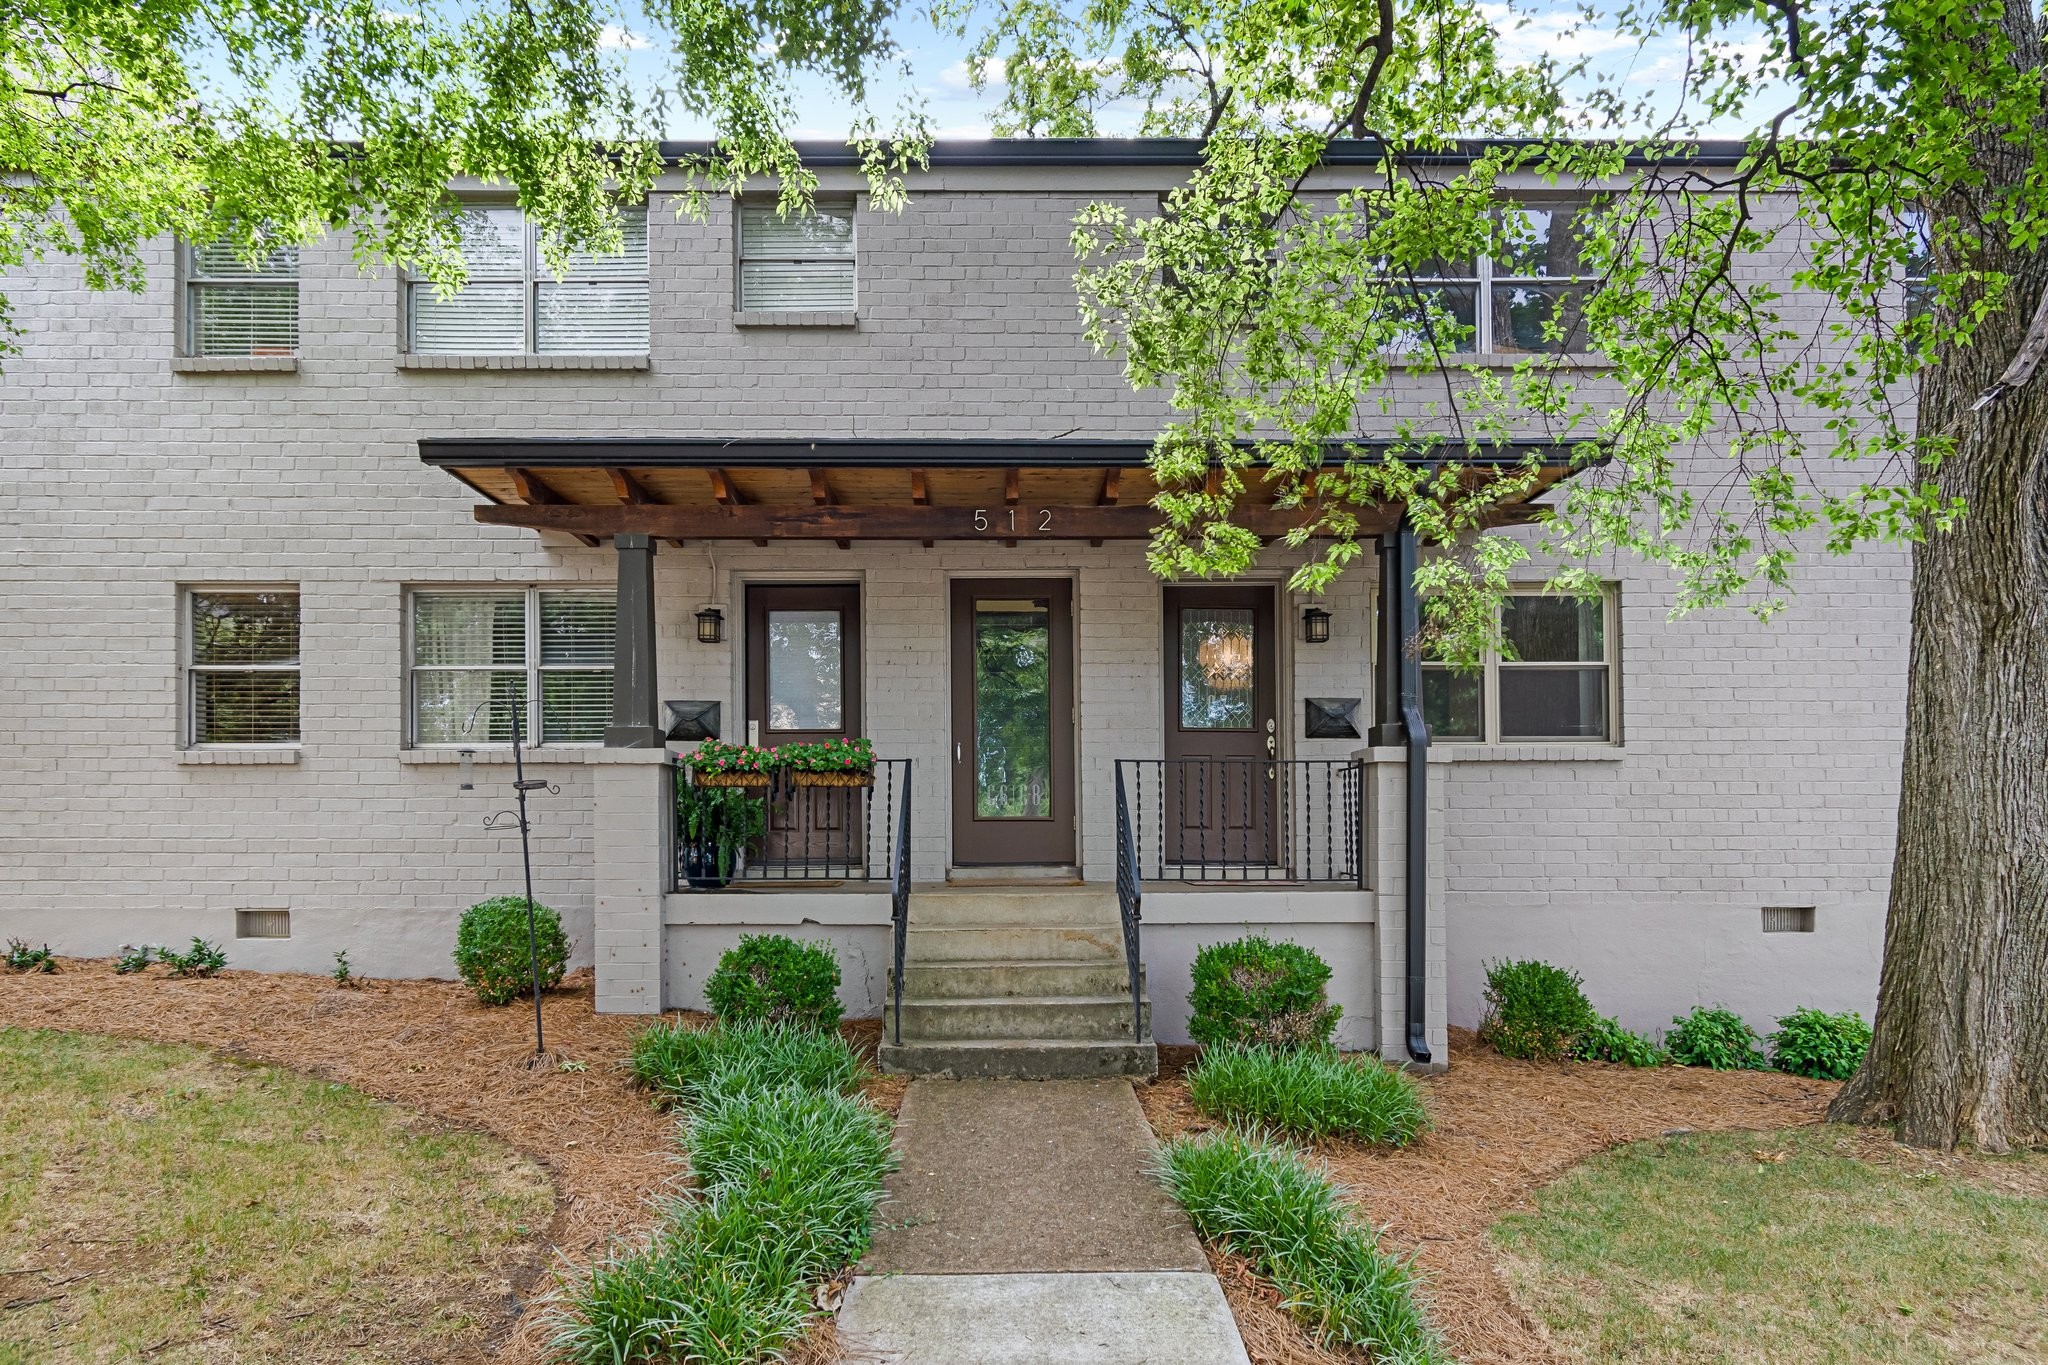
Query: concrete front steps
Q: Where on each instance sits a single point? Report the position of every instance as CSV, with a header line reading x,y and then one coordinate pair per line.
x,y
1018,983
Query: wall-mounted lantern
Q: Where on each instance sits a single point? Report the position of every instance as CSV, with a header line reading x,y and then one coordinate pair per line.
x,y
710,626
1315,626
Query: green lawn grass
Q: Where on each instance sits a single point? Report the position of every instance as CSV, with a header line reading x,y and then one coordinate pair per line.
x,y
162,1201
1788,1247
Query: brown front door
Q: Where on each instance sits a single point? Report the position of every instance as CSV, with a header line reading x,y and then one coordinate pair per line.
x,y
1219,790
1013,722
803,684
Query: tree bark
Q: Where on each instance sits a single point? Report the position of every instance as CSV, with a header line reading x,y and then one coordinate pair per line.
x,y
1960,1053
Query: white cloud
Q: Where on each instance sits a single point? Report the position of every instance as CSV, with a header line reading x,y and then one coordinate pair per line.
x,y
611,35
955,77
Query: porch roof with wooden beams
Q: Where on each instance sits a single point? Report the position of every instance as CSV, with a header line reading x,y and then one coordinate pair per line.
x,y
847,489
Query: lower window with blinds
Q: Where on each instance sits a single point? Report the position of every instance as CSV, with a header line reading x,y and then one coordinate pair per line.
x,y
242,670
481,661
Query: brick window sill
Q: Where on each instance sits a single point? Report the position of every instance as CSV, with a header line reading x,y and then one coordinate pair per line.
x,y
523,362
229,754
234,364
794,317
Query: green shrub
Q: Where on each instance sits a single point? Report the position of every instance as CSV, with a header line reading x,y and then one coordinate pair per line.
x,y
1827,1047
1608,1041
1261,1202
1534,1010
681,1065
1312,1091
494,957
343,974
201,959
1715,1038
1257,991
22,958
768,978
134,959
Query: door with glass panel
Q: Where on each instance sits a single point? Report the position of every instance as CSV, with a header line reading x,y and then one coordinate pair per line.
x,y
803,685
1220,796
1013,723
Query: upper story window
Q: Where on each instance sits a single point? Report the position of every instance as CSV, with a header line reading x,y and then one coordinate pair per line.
x,y
513,305
1919,262
546,653
796,262
234,306
1559,685
1528,297
242,666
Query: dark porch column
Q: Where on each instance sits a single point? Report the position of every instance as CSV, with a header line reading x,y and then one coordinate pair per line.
x,y
635,709
1387,730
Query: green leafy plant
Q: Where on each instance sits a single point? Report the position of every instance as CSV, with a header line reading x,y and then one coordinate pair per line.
x,y
134,958
1827,1047
769,978
850,755
343,974
681,1064
1260,1201
1534,1010
23,958
1254,990
492,953
1310,1091
716,756
201,959
720,822
1607,1041
1714,1037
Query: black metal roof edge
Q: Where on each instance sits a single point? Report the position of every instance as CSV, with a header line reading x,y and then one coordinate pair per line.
x,y
1187,152
795,452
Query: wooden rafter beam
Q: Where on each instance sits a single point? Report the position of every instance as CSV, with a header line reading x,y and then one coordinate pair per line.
x,y
821,496
1112,487
728,496
535,492
920,494
629,489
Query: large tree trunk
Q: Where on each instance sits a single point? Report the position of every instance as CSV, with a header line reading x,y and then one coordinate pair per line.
x,y
1961,1046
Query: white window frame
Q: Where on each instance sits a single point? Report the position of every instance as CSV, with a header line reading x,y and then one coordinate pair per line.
x,y
531,276
532,667
189,670
1490,671
1485,277
193,281
741,257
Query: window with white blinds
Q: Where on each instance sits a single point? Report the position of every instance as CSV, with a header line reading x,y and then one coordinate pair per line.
x,y
234,306
798,261
487,654
513,305
242,670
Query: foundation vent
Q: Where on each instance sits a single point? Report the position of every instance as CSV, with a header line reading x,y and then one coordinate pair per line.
x,y
276,923
1788,919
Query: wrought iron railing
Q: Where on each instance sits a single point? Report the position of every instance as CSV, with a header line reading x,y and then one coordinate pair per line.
x,y
1130,896
1242,819
813,833
899,899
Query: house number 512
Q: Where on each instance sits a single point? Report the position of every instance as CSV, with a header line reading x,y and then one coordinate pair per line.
x,y
1044,519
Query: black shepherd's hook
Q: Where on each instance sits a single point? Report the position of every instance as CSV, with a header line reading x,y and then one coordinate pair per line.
x,y
522,784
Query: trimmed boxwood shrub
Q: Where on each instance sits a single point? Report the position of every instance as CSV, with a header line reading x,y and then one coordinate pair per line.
x,y
1715,1038
492,953
1254,990
1534,1010
1827,1047
771,979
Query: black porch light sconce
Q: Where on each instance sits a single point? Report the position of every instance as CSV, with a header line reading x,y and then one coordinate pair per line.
x,y
710,626
1315,626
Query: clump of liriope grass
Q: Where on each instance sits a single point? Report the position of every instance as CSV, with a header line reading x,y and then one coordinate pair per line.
x,y
1310,1091
681,1065
1261,1201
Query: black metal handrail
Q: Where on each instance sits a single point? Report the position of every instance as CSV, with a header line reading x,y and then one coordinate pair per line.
x,y
1130,897
1243,819
899,899
814,833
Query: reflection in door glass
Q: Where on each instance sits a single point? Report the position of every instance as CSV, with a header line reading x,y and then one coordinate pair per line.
x,y
1012,711
804,652
1216,668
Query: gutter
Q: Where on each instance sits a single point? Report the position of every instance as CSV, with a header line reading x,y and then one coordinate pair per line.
x,y
1415,884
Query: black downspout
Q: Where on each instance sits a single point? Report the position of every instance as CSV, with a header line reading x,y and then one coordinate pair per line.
x,y
1415,732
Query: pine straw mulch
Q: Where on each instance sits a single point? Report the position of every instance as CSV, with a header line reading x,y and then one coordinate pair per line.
x,y
1502,1130
430,1046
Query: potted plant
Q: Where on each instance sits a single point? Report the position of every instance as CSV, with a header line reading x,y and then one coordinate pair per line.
x,y
716,824
848,762
714,764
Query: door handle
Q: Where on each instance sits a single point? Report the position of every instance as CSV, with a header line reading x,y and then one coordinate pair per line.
x,y
956,751
1272,746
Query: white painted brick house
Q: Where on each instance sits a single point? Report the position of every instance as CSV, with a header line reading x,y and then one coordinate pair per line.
x,y
186,457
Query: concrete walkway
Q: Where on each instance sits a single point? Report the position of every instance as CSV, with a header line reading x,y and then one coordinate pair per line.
x,y
1024,1225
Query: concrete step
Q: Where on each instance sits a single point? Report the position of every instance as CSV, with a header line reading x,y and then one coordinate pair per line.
x,y
964,909
1013,943
1065,1019
1016,1060
1003,978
